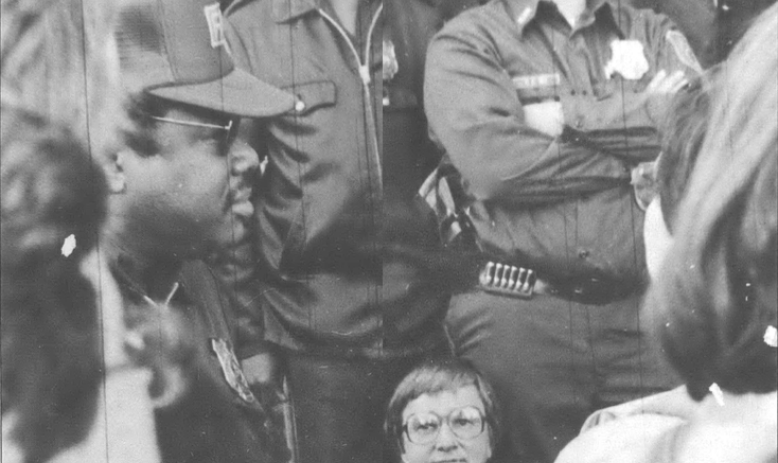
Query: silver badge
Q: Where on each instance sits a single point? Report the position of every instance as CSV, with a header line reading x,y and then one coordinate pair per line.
x,y
231,370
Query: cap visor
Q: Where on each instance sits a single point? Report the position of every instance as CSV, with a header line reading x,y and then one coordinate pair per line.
x,y
237,93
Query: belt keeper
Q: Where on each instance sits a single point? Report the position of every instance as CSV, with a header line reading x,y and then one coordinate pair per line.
x,y
507,280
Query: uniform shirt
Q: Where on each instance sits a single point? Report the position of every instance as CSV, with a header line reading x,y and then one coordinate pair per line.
x,y
562,205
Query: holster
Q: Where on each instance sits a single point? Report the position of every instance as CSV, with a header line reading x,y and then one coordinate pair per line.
x,y
443,192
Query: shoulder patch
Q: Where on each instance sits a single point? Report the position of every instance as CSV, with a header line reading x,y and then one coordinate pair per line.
x,y
683,50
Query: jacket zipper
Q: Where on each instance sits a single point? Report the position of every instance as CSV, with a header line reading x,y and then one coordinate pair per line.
x,y
364,74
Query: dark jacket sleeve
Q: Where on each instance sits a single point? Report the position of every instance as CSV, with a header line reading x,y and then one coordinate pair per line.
x,y
474,113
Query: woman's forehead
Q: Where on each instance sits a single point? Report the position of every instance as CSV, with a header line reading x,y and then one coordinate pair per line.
x,y
442,402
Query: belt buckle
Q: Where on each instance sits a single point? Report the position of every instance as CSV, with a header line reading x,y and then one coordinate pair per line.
x,y
507,280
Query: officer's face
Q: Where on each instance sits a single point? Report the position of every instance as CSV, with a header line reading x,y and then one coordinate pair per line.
x,y
193,196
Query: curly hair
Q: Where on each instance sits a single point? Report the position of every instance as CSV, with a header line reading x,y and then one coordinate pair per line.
x,y
717,293
139,134
51,360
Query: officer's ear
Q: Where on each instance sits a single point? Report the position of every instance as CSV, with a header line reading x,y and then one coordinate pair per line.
x,y
114,171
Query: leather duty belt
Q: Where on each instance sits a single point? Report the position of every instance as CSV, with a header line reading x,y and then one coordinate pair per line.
x,y
524,283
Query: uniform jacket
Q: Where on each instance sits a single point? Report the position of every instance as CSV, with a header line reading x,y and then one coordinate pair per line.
x,y
562,205
209,418
335,185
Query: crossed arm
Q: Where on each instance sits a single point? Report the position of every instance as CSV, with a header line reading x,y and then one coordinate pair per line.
x,y
521,154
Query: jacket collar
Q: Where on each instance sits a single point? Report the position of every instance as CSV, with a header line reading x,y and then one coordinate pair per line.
x,y
286,10
524,11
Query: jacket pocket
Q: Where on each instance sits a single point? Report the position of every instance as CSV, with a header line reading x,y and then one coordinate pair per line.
x,y
310,96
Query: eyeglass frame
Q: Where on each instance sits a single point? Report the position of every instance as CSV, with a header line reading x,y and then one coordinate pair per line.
x,y
441,421
231,128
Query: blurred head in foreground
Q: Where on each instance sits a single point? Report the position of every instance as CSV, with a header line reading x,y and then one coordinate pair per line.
x,y
716,293
683,134
52,194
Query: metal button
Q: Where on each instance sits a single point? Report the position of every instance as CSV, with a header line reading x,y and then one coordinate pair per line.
x,y
583,254
524,16
299,105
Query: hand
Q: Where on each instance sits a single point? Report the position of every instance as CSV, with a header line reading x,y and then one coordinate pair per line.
x,y
546,117
261,369
663,84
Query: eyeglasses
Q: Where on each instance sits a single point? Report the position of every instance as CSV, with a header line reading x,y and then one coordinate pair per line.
x,y
465,423
231,129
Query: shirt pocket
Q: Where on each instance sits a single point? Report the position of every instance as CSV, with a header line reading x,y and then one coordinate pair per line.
x,y
606,88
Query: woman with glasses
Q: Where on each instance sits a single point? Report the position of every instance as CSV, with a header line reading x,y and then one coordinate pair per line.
x,y
443,410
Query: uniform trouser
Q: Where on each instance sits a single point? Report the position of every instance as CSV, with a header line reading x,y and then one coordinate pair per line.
x,y
340,404
553,362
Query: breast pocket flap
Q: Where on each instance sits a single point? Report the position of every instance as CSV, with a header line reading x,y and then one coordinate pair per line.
x,y
312,95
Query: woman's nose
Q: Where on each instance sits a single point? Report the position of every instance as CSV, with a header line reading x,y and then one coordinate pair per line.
x,y
446,440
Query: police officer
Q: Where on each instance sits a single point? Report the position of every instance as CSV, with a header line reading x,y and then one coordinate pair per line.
x,y
545,108
342,174
179,191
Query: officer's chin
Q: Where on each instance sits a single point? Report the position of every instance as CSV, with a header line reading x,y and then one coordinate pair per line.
x,y
233,233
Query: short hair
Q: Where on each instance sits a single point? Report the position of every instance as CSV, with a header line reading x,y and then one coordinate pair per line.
x,y
51,359
139,133
717,293
682,135
433,377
